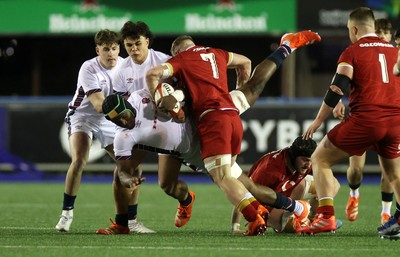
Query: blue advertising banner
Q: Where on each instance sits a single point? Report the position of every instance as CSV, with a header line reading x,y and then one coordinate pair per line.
x,y
3,128
269,125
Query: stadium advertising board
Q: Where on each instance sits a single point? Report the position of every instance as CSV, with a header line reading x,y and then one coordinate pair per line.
x,y
164,17
266,128
330,17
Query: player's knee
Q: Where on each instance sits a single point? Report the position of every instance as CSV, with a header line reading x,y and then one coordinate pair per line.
x,y
218,167
356,170
169,187
77,166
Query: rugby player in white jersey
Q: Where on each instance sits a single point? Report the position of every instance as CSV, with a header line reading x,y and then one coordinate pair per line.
x,y
129,77
85,119
131,74
176,142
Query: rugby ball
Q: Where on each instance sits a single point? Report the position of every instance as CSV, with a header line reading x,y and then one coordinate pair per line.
x,y
164,89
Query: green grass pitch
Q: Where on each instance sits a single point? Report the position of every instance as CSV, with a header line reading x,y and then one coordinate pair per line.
x,y
29,212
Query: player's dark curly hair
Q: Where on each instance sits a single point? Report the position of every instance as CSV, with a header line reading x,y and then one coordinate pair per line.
x,y
116,103
302,147
382,24
136,29
396,34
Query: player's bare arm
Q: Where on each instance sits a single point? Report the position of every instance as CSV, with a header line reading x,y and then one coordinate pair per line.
x,y
153,76
125,174
339,110
340,82
96,99
242,65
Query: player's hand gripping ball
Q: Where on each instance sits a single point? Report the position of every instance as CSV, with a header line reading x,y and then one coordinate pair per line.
x,y
164,90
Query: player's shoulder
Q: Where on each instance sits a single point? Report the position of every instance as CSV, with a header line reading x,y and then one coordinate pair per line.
x,y
90,66
222,53
125,62
125,66
159,55
120,60
90,63
139,95
215,49
277,154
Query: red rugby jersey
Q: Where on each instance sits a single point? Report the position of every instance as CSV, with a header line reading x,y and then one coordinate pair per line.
x,y
271,171
202,71
375,91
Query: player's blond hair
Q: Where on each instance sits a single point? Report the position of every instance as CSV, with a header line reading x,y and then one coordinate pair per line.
x,y
363,16
179,43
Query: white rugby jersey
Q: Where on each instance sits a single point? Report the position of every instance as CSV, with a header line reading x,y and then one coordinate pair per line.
x,y
130,76
161,135
92,78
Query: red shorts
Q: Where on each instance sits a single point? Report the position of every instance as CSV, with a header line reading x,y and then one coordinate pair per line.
x,y
220,132
355,138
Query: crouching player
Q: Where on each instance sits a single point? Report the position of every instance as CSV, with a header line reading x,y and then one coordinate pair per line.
x,y
287,171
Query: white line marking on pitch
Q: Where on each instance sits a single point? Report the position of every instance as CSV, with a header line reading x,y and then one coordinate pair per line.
x,y
183,248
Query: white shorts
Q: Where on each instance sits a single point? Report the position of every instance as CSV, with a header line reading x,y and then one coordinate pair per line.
x,y
192,158
94,126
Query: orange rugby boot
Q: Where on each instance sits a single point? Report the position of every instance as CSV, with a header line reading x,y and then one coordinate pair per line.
x,y
301,221
184,212
257,227
264,213
352,208
319,225
113,229
299,39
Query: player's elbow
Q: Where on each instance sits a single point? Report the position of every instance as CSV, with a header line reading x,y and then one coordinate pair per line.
x,y
247,64
152,75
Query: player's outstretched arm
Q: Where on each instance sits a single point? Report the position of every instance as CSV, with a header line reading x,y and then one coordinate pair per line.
x,y
96,99
323,113
125,171
242,65
340,82
153,77
339,111
236,218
